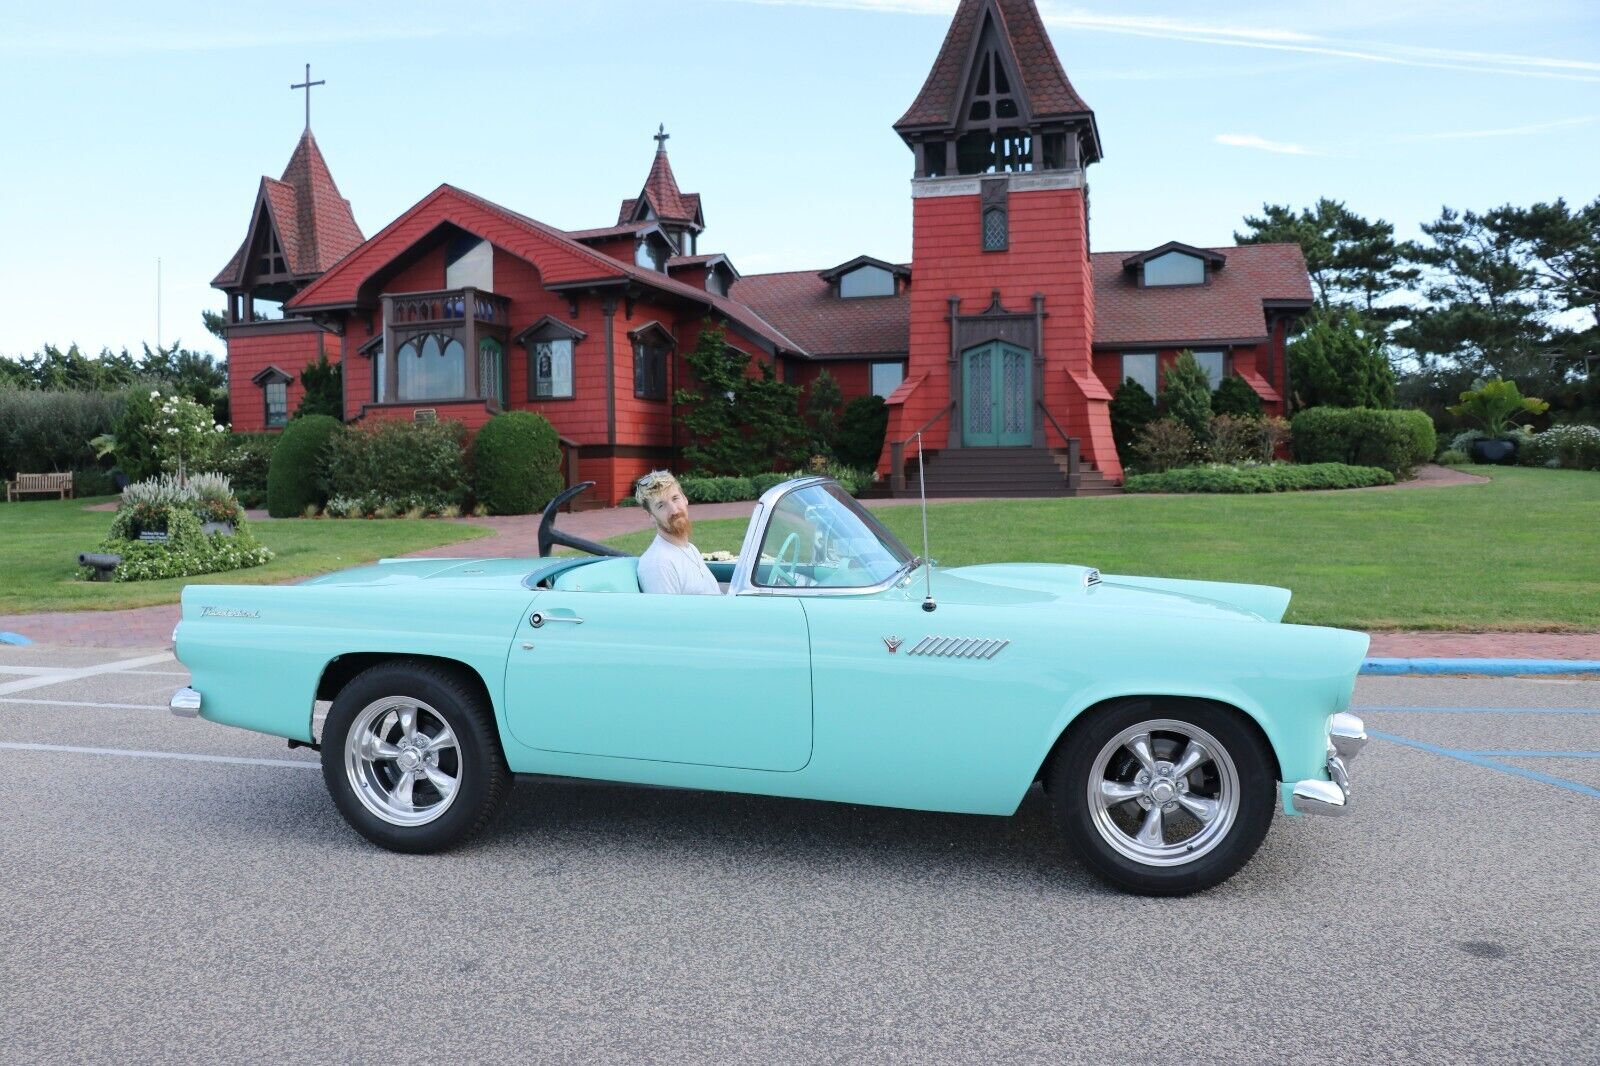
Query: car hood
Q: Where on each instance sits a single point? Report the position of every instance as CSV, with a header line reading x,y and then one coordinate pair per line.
x,y
1022,582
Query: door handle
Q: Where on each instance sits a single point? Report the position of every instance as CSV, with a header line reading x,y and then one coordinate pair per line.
x,y
539,618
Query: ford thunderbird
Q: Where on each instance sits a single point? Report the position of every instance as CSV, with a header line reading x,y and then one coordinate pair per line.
x,y
1167,720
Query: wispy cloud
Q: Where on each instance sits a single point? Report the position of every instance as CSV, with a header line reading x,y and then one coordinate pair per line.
x,y
107,41
1261,144
1260,37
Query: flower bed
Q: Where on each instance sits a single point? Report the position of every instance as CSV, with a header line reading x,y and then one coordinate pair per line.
x,y
1273,477
158,530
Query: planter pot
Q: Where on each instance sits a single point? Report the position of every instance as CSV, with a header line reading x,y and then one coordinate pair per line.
x,y
225,528
1498,452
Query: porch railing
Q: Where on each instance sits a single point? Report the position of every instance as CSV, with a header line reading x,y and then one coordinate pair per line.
x,y
897,450
1074,469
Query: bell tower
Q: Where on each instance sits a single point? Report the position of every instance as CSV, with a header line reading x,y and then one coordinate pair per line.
x,y
1002,302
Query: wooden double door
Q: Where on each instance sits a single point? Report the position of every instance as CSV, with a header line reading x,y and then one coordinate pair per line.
x,y
996,396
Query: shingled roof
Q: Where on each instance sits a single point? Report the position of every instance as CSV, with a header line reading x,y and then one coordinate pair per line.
x,y
1049,93
1229,307
315,225
662,194
804,306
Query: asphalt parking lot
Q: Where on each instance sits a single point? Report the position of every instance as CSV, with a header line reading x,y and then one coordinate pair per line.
x,y
176,890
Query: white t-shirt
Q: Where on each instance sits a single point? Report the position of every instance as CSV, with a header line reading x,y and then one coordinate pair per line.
x,y
665,567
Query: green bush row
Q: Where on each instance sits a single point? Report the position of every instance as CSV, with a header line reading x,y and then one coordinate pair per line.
x,y
734,489
46,431
1397,441
1275,477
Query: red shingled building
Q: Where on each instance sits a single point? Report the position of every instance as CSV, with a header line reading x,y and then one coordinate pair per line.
x,y
1001,341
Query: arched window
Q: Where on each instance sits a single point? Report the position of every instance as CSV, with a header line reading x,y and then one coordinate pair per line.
x,y
994,229
431,367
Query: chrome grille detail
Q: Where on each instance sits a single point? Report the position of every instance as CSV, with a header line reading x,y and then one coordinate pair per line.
x,y
959,647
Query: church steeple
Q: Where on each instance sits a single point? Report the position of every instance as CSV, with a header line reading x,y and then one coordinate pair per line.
x,y
997,99
299,228
661,201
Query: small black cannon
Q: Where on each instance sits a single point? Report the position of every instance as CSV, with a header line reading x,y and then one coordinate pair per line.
x,y
102,564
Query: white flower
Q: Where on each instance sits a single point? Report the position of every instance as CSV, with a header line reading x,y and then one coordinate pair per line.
x,y
173,431
154,393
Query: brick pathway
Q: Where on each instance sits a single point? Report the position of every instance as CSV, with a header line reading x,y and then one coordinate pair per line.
x,y
517,535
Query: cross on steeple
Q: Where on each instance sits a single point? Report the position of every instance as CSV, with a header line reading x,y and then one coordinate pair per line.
x,y
660,137
306,85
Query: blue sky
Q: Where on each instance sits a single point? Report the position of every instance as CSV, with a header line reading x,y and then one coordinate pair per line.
x,y
134,132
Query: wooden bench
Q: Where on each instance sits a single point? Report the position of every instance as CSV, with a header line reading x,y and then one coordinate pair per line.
x,y
60,484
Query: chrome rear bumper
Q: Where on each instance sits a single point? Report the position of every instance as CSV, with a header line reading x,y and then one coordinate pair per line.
x,y
185,703
1347,735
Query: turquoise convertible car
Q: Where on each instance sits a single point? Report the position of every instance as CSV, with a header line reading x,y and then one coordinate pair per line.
x,y
1167,720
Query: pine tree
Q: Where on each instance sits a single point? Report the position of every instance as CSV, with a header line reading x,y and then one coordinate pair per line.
x,y
1186,394
738,424
1235,397
822,408
1334,363
323,389
1131,409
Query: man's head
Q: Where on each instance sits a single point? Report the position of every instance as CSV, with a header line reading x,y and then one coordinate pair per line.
x,y
658,492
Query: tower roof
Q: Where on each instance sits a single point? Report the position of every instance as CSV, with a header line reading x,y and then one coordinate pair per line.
x,y
1045,84
314,224
661,194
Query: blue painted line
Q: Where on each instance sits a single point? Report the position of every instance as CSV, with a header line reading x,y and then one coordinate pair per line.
x,y
14,638
1537,754
1490,667
1478,759
1375,708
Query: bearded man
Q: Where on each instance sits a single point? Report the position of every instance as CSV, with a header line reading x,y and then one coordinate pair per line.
x,y
671,563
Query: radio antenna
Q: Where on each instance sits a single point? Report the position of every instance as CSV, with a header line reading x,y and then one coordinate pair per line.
x,y
922,490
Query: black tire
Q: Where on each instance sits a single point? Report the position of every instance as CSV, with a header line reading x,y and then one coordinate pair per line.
x,y
1242,785
371,792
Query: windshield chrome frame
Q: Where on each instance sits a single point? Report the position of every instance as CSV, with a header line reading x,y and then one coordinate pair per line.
x,y
743,582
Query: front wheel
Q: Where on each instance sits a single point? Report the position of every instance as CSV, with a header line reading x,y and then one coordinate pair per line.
x,y
411,758
1164,799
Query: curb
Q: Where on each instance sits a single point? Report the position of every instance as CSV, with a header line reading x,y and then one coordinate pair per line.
x,y
1488,667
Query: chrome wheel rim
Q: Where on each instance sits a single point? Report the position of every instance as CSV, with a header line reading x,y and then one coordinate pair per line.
x,y
403,761
1163,792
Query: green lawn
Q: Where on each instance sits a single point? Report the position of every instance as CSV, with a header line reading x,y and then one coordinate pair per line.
x,y
1521,552
40,542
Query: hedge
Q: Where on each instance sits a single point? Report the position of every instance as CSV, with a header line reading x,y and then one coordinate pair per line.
x,y
46,431
516,459
1276,477
245,460
403,464
717,489
1397,441
295,478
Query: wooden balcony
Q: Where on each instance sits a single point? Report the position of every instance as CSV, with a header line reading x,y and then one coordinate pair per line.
x,y
446,307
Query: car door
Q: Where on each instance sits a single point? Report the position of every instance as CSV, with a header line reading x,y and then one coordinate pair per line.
x,y
710,680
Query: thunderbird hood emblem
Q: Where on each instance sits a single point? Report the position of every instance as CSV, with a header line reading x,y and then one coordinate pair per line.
x,y
892,643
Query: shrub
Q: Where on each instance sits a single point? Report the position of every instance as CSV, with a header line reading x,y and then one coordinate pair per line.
x,y
1495,405
163,505
762,482
1186,394
1451,457
717,489
1334,363
399,461
245,458
92,481
48,431
516,460
1273,433
322,389
1132,409
1570,447
1164,444
295,477
861,429
1397,441
1231,439
1274,477
1235,397
823,401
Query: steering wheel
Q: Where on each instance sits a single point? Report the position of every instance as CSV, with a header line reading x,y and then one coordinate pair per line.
x,y
788,558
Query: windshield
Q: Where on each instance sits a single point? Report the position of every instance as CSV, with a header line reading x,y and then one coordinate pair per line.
x,y
819,537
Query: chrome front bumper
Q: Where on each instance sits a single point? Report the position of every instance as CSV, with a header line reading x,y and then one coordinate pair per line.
x,y
185,703
1347,735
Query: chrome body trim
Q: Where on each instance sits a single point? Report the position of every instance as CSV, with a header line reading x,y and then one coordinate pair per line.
x,y
1348,735
185,703
959,647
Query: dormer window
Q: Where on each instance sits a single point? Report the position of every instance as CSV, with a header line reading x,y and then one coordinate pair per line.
x,y
1174,268
649,254
866,281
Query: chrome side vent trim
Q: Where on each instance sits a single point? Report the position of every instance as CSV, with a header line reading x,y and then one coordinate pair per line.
x,y
1091,578
959,647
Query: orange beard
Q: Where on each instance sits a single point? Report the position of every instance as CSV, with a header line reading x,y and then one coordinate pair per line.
x,y
679,526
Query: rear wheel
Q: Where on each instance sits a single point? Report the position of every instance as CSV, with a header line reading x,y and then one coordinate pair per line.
x,y
1164,799
411,757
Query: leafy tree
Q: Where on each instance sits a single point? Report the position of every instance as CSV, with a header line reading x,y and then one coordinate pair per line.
x,y
1186,394
1484,311
822,408
216,324
1235,397
738,423
322,390
1333,362
1131,409
1353,261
